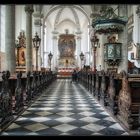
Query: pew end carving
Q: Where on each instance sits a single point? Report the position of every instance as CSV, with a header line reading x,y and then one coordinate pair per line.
x,y
129,101
5,101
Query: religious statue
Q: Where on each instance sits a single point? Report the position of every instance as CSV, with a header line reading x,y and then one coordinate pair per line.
x,y
22,56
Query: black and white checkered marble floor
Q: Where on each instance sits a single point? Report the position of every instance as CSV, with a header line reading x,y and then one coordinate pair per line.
x,y
65,108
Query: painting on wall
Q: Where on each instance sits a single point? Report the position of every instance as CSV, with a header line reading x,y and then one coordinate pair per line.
x,y
22,56
66,46
20,50
110,51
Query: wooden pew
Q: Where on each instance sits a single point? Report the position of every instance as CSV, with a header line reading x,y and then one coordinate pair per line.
x,y
16,92
129,101
5,101
115,84
98,85
90,81
104,88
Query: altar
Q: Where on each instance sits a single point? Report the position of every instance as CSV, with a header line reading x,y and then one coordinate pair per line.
x,y
66,47
65,72
67,62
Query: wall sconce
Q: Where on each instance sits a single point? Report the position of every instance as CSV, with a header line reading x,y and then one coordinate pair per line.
x,y
82,58
36,43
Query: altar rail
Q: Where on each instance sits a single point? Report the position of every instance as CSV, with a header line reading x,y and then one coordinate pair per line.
x,y
118,93
17,92
65,72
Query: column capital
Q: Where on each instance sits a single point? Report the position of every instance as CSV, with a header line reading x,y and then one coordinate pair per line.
x,y
138,11
29,9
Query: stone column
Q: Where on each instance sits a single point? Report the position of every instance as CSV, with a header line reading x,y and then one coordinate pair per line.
x,y
0,38
78,46
10,38
103,40
138,21
55,50
123,38
29,10
43,35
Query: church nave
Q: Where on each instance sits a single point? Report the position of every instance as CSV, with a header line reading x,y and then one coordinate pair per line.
x,y
65,108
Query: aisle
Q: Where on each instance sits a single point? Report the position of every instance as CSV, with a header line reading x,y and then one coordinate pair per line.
x,y
65,109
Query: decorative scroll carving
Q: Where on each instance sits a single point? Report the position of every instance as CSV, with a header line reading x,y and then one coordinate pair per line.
x,y
97,91
29,9
112,98
124,99
104,88
33,85
90,82
108,21
102,84
28,87
5,100
129,100
38,82
94,84
19,94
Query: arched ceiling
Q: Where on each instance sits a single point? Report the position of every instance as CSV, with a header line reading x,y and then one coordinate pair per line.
x,y
56,14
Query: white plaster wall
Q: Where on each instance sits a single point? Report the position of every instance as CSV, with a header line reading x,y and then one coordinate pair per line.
x,y
136,37
20,17
66,25
136,62
0,27
100,53
2,24
135,29
48,44
85,48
